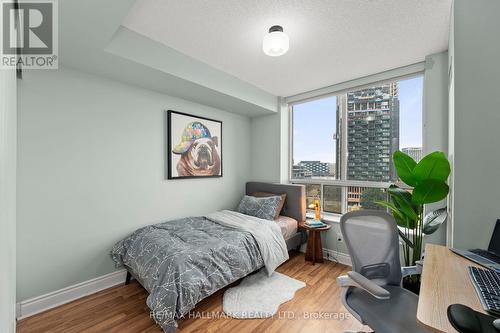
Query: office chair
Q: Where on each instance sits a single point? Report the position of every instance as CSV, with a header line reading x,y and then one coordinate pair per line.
x,y
372,291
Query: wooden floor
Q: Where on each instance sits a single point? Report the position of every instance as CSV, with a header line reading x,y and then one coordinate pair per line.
x,y
315,308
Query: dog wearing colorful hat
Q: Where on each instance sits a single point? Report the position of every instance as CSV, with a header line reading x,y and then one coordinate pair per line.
x,y
198,150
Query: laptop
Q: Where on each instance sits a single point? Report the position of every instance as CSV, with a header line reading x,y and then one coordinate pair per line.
x,y
488,258
493,252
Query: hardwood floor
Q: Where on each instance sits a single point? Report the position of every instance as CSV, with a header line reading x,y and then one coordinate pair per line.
x,y
123,309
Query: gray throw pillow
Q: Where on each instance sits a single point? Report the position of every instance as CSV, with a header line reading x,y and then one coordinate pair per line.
x,y
264,208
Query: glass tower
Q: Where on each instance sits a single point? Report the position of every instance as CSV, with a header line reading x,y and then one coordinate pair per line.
x,y
372,132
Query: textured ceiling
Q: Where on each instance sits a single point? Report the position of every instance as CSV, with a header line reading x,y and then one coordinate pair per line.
x,y
331,41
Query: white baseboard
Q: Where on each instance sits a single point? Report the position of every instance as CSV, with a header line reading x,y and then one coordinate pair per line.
x,y
48,301
341,258
32,306
335,256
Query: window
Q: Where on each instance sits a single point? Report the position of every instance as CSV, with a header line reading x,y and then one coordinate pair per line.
x,y
315,142
342,145
332,202
313,192
365,198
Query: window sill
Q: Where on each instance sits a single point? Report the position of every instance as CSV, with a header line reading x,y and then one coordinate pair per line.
x,y
325,217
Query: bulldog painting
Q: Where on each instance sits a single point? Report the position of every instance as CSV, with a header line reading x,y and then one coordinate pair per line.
x,y
194,146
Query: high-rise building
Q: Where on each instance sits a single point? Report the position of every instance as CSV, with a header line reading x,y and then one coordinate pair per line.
x,y
414,152
372,132
299,171
316,168
308,169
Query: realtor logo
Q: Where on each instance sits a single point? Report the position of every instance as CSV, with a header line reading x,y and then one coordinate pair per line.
x,y
29,34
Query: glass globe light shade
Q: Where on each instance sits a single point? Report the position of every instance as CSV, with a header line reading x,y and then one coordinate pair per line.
x,y
276,42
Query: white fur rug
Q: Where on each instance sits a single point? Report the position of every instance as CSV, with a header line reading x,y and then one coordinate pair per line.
x,y
259,296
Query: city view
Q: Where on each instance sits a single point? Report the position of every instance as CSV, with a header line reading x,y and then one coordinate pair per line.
x,y
378,121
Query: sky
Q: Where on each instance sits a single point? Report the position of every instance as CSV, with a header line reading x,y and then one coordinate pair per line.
x,y
314,123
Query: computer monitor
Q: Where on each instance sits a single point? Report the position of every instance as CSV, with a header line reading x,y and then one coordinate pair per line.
x,y
495,240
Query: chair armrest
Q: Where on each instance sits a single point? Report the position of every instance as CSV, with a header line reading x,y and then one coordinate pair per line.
x,y
354,279
412,270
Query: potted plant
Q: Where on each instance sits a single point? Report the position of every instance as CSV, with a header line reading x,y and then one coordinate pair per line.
x,y
426,183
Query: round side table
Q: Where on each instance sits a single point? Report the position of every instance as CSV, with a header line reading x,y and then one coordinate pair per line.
x,y
314,252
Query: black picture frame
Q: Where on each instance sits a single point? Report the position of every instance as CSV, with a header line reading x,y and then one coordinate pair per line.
x,y
170,173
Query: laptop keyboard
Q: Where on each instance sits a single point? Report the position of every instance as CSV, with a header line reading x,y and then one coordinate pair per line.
x,y
487,285
487,255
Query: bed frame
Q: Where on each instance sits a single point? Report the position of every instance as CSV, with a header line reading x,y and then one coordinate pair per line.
x,y
295,207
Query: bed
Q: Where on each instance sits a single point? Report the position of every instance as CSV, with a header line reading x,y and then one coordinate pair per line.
x,y
183,261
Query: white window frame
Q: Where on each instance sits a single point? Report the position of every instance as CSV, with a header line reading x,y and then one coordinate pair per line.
x,y
408,72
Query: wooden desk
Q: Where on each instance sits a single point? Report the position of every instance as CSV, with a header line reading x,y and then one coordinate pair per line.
x,y
445,281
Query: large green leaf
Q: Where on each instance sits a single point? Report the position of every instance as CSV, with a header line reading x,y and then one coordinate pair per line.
x,y
403,194
402,200
405,207
430,190
433,220
405,222
433,166
404,166
401,219
392,207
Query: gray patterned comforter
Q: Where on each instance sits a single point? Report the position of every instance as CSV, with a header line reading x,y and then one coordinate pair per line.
x,y
183,261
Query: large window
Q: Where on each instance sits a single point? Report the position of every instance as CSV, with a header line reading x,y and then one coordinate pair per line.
x,y
342,145
315,139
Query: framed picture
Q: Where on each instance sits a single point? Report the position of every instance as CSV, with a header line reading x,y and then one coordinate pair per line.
x,y
194,146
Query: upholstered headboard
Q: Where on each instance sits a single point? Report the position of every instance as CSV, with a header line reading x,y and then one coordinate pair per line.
x,y
295,203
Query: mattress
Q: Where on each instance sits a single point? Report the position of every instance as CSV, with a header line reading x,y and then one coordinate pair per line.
x,y
287,225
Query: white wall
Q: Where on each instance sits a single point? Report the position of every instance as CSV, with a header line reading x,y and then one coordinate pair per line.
x,y
435,120
266,148
451,128
475,121
91,171
8,201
